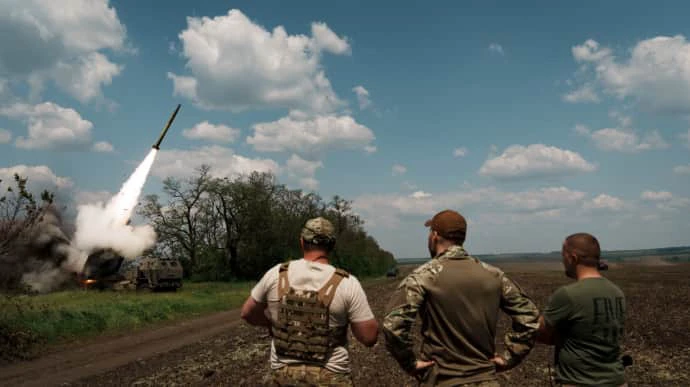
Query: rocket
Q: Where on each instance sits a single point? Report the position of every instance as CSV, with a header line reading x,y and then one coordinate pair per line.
x,y
157,144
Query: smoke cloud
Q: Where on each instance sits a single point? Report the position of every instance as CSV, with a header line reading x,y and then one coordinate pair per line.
x,y
45,258
102,226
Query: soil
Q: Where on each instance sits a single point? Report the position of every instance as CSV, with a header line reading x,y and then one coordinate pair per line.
x,y
221,350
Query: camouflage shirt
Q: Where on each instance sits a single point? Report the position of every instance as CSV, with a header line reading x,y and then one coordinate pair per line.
x,y
459,298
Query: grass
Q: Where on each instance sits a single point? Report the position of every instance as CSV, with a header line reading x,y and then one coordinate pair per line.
x,y
29,322
64,316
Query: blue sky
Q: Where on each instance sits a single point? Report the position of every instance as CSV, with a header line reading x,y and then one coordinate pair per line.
x,y
534,121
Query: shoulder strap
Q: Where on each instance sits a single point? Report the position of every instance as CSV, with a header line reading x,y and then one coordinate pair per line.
x,y
283,284
327,292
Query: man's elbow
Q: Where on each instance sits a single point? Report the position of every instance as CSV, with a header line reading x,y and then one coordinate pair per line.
x,y
367,332
371,340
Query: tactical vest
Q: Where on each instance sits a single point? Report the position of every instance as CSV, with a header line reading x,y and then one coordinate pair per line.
x,y
301,330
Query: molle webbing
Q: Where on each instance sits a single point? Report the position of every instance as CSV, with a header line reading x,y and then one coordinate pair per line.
x,y
302,329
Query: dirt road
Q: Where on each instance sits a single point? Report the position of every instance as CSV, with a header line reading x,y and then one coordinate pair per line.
x,y
220,350
72,364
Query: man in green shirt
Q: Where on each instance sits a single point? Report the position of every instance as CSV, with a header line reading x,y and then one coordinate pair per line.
x,y
459,299
585,320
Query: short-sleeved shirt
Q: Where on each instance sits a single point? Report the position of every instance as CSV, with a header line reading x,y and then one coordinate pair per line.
x,y
589,317
349,304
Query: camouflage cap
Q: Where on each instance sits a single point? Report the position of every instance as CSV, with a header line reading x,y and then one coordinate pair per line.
x,y
449,224
318,231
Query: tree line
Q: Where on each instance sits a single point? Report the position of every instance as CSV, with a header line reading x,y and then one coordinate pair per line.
x,y
236,229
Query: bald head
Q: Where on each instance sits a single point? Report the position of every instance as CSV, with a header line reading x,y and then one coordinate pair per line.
x,y
585,247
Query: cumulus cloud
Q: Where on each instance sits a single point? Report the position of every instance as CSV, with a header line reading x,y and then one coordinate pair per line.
x,y
420,195
656,195
674,204
605,202
536,160
39,177
584,94
304,134
50,126
5,136
399,170
61,42
496,48
624,140
655,73
386,209
303,171
103,146
237,64
682,169
362,97
223,162
460,152
207,131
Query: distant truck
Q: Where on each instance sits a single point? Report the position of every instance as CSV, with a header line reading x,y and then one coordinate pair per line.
x,y
392,272
105,269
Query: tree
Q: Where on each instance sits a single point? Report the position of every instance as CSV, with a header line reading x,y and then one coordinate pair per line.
x,y
179,222
19,211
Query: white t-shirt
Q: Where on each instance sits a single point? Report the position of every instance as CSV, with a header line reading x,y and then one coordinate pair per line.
x,y
349,303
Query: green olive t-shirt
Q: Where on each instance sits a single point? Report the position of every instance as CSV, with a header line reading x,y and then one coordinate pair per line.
x,y
588,316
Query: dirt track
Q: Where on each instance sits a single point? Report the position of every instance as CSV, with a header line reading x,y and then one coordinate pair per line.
x,y
222,350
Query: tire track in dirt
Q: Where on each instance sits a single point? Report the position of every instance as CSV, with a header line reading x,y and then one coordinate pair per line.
x,y
96,358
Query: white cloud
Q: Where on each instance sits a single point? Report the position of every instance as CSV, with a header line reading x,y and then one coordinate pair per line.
x,y
420,195
682,169
207,131
302,134
370,149
584,94
39,177
656,74
674,204
606,202
387,209
399,170
626,140
460,152
324,39
61,41
362,97
303,171
5,136
50,126
497,48
236,64
623,120
536,160
103,146
223,161
656,195
582,130
409,185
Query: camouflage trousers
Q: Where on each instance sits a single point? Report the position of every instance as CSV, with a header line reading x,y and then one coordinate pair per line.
x,y
491,383
301,375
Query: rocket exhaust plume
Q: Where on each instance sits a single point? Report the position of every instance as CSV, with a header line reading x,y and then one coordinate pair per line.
x,y
101,227
105,226
46,257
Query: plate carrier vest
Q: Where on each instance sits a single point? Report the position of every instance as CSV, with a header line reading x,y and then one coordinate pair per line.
x,y
302,330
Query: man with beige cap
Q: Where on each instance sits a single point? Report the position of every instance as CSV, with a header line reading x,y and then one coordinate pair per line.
x,y
458,298
310,305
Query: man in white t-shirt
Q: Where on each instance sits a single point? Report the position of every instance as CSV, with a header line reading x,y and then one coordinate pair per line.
x,y
310,304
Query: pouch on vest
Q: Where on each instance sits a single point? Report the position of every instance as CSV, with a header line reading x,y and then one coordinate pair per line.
x,y
301,330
